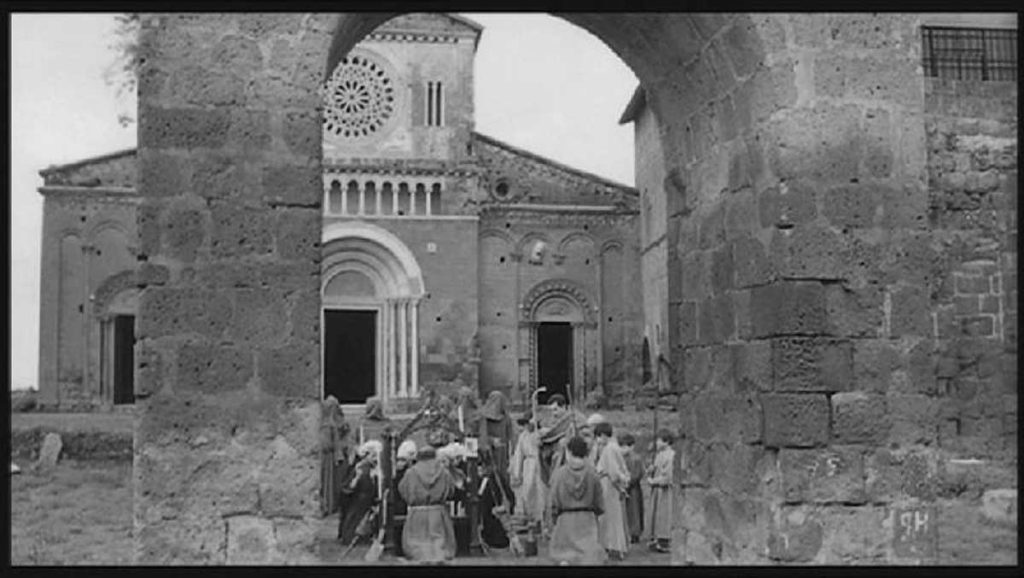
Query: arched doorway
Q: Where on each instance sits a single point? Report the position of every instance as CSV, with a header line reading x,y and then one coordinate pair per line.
x,y
371,286
560,332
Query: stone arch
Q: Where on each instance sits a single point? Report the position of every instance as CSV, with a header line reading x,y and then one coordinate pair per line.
x,y
499,234
111,291
523,245
562,291
612,245
575,236
392,265
94,229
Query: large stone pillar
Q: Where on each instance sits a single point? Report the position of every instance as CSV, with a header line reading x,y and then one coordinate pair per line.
x,y
228,352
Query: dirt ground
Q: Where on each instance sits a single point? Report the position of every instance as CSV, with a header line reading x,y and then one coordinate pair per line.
x,y
79,513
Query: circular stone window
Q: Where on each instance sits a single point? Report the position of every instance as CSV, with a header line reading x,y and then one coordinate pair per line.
x,y
501,189
360,98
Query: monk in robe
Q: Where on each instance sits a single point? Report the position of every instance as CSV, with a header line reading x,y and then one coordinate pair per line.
x,y
359,494
334,454
556,433
531,492
634,492
575,502
614,477
660,479
467,399
428,535
495,433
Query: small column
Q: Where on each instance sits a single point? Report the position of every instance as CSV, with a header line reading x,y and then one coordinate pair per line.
x,y
385,335
415,345
344,200
429,212
403,350
362,198
379,191
412,201
392,349
394,198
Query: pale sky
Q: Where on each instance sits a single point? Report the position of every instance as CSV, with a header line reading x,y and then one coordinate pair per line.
x,y
541,84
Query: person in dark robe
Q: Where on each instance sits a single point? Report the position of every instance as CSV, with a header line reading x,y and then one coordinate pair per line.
x,y
359,494
493,494
575,502
496,433
428,535
334,454
634,492
660,509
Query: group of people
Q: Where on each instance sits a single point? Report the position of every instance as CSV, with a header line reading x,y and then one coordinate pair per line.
x,y
582,484
570,477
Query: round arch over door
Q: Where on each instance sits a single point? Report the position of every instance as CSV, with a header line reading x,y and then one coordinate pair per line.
x,y
368,269
553,303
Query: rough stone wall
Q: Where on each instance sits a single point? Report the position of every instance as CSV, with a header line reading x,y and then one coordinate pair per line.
x,y
227,359
87,246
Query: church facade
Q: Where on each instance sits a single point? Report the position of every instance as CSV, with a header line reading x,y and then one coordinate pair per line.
x,y
449,258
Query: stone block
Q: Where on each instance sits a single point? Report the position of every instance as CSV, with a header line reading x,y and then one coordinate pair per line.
x,y
894,476
183,128
798,539
812,252
712,228
148,274
1000,506
149,370
302,134
921,368
788,204
905,207
734,467
795,420
290,371
293,185
752,362
721,270
911,312
812,364
915,532
298,234
250,130
213,369
240,231
823,476
170,312
855,312
857,535
239,54
197,85
750,263
853,205
184,232
819,143
788,308
842,75
150,226
978,326
914,418
251,541
717,320
305,317
259,317
222,177
741,311
162,174
874,361
859,418
49,452
288,484
971,284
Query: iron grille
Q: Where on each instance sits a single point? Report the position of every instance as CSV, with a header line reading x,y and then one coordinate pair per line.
x,y
970,53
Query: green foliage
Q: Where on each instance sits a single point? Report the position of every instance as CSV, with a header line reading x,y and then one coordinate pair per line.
x,y
123,72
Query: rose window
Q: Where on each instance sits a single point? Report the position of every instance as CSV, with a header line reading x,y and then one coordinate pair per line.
x,y
360,98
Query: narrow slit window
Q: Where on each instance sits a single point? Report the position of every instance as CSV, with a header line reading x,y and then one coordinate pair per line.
x,y
435,104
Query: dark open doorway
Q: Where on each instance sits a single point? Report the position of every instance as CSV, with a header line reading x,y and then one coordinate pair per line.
x,y
554,359
124,359
350,354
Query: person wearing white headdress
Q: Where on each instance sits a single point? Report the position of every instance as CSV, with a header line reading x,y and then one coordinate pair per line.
x,y
359,492
405,457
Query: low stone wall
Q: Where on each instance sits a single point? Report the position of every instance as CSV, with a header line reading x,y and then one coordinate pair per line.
x,y
77,445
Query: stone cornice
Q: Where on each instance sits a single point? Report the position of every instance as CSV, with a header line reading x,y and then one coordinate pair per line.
x,y
119,194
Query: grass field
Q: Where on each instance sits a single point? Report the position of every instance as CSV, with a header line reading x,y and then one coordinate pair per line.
x,y
77,513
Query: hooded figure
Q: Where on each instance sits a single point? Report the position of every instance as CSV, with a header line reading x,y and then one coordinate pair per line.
x,y
614,476
405,457
359,493
428,534
334,454
496,432
466,399
575,503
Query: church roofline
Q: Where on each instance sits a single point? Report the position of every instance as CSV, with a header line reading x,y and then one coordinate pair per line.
x,y
53,169
636,103
536,157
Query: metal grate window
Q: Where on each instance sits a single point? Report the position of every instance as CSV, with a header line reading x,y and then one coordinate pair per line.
x,y
970,53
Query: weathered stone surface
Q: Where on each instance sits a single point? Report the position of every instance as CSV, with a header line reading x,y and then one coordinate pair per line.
x,y
914,419
752,362
788,308
1000,506
240,232
250,540
812,364
855,536
182,128
49,453
297,234
823,476
751,264
168,311
795,420
858,417
915,532
910,314
896,475
789,204
799,538
292,370
213,369
855,312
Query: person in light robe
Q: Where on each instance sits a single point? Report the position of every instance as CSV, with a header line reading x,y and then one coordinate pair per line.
x,y
660,479
614,477
575,502
531,492
428,535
